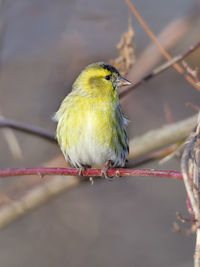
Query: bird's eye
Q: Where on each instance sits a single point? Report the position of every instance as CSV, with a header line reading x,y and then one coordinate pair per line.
x,y
107,77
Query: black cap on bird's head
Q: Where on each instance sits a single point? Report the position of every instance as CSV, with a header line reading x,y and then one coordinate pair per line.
x,y
109,67
119,79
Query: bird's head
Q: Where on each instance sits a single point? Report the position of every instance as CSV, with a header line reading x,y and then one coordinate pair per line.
x,y
99,79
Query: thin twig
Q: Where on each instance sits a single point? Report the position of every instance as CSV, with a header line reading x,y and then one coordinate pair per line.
x,y
162,68
158,154
190,170
168,37
49,189
12,141
192,72
34,130
193,106
184,220
161,137
185,167
176,153
190,166
148,30
90,172
158,44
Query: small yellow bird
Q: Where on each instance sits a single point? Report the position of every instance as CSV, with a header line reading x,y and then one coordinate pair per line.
x,y
91,128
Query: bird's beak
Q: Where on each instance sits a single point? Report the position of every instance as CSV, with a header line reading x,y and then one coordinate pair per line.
x,y
122,81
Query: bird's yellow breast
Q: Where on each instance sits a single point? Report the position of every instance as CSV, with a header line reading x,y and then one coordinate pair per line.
x,y
83,118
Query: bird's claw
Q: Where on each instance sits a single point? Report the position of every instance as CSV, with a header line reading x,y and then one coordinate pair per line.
x,y
80,171
105,169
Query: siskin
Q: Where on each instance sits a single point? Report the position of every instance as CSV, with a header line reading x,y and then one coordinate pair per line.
x,y
91,128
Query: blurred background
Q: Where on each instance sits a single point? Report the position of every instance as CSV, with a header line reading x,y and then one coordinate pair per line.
x,y
44,44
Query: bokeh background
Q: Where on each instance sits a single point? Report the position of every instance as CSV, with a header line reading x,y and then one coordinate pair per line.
x,y
127,222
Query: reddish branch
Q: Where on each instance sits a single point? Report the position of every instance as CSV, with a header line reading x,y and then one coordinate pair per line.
x,y
172,61
162,68
91,172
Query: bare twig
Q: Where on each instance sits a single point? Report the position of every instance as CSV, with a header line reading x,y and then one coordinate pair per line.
x,y
37,196
159,46
192,72
184,220
162,68
90,172
168,37
126,48
194,107
188,163
190,166
159,138
52,187
148,30
176,153
12,142
34,130
158,154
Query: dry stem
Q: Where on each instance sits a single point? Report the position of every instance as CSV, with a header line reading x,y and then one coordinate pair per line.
x,y
164,67
41,194
158,138
158,44
113,172
30,129
190,165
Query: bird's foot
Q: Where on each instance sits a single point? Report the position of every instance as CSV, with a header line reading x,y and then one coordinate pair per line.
x,y
107,165
82,169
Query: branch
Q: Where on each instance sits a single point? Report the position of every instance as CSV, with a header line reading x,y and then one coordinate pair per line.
x,y
190,166
168,37
34,130
53,187
161,68
39,195
12,141
158,44
187,162
35,198
114,172
161,137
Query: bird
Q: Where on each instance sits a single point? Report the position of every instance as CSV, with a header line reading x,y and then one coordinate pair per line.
x,y
91,127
